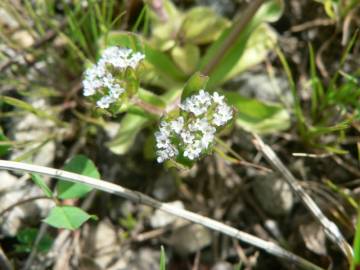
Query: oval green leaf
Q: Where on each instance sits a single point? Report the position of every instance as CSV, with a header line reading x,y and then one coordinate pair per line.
x,y
67,217
130,126
194,84
259,117
82,165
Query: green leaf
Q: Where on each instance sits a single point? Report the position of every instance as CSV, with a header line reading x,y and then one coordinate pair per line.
x,y
40,182
27,107
26,238
148,105
162,259
130,126
259,117
4,148
149,147
268,12
356,259
186,57
151,98
122,39
204,30
82,165
260,42
67,217
159,60
194,84
163,64
129,222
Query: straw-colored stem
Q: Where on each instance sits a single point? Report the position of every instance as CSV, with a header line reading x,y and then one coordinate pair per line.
x,y
138,197
330,228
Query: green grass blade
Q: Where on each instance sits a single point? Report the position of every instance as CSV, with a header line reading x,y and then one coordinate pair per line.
x,y
162,259
317,93
356,259
298,111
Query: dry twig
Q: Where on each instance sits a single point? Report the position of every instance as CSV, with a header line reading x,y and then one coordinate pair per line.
x,y
330,228
138,197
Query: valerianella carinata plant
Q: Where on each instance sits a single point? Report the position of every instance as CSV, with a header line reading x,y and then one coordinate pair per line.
x,y
113,79
191,135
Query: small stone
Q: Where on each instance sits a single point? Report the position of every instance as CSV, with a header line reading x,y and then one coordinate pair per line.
x,y
14,219
161,218
259,86
105,243
144,258
273,193
314,237
190,239
7,181
222,266
165,187
23,38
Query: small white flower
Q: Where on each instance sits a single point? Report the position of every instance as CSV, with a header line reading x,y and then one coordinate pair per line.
x,y
92,80
115,91
222,115
121,58
207,139
89,89
204,98
162,140
197,104
193,151
187,137
104,102
177,125
108,80
99,78
217,98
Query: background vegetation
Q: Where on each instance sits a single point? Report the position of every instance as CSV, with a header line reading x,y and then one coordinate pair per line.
x,y
291,70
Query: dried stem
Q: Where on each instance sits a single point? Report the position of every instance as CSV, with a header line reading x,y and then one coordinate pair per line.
x,y
138,197
330,228
4,261
9,208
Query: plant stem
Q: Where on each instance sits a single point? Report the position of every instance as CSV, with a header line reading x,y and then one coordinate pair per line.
x,y
9,208
238,159
330,228
147,106
141,198
240,23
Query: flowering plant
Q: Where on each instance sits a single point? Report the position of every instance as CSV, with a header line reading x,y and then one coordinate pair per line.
x,y
191,134
183,138
113,79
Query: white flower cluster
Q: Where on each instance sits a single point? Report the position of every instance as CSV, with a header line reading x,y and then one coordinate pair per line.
x,y
193,132
99,77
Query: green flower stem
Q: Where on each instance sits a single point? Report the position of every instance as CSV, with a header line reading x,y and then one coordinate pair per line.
x,y
228,148
11,207
241,22
150,108
238,159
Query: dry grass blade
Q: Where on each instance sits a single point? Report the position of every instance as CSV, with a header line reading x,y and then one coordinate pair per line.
x,y
331,230
138,197
4,261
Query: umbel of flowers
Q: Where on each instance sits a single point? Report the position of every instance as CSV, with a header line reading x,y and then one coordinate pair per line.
x,y
113,79
191,135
